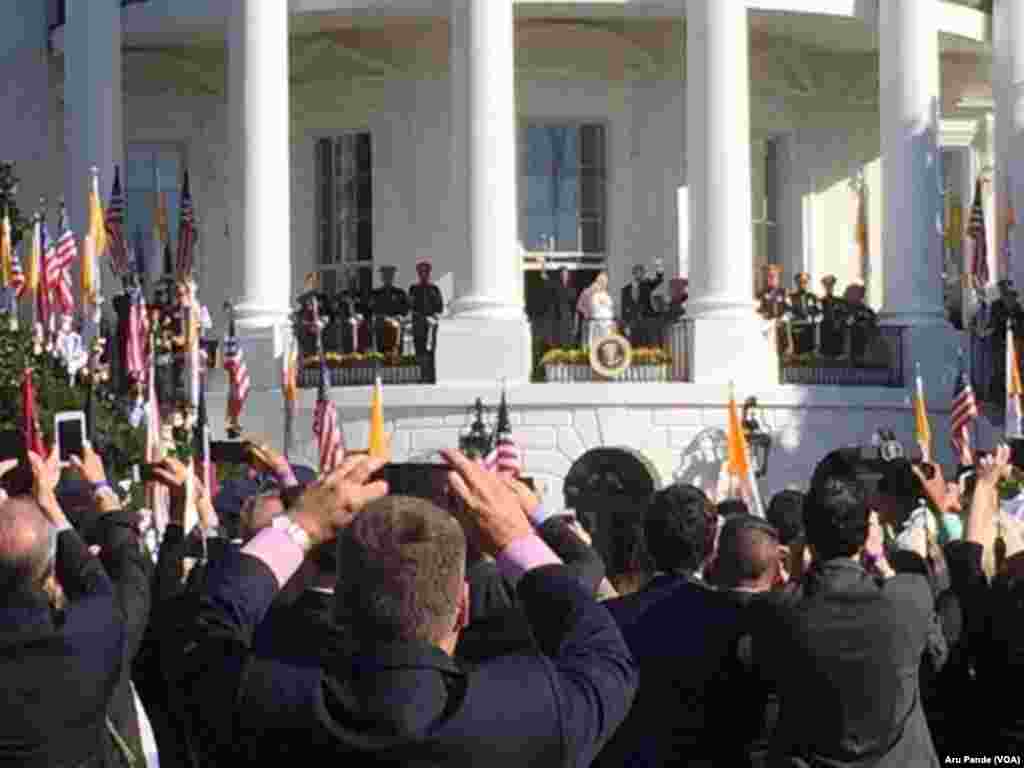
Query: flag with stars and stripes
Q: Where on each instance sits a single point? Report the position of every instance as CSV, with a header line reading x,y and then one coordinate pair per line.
x,y
330,439
59,268
116,243
238,378
979,246
186,230
965,411
505,458
17,273
135,347
47,255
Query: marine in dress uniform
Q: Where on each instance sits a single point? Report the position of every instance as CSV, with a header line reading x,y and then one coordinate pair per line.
x,y
804,311
427,304
833,319
390,305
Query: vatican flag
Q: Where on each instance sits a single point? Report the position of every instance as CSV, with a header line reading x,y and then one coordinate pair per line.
x,y
1014,390
922,429
738,464
378,440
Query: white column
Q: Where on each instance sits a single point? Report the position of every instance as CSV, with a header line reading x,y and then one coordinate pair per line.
x,y
488,336
93,117
260,170
728,343
911,162
1008,87
718,157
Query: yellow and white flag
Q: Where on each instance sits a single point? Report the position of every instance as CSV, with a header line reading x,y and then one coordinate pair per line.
x,y
922,428
1014,390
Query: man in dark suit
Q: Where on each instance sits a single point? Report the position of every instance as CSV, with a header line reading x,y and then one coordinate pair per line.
x,y
402,699
561,310
67,631
390,305
680,631
427,306
637,309
845,652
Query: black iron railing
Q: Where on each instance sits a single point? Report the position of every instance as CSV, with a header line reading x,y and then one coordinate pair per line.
x,y
873,360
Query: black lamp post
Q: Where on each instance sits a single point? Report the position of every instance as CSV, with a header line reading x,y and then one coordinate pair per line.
x,y
477,442
758,441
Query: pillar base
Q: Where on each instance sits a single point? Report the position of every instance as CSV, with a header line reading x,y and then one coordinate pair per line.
x,y
484,349
739,349
934,347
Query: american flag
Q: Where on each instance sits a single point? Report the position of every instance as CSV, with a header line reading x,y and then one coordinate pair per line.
x,y
157,494
330,441
505,458
17,273
965,411
115,227
186,230
238,377
48,255
135,343
58,275
976,231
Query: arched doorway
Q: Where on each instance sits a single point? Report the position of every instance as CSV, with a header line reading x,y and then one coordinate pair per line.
x,y
609,489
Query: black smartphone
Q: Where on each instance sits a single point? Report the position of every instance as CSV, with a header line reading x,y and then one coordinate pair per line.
x,y
1016,452
229,452
69,428
18,481
424,481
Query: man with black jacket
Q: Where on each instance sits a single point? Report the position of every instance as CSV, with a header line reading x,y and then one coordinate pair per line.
x,y
402,698
66,629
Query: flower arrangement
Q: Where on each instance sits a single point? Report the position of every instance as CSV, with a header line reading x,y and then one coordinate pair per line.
x,y
360,359
578,356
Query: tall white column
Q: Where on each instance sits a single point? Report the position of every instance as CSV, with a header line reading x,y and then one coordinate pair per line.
x,y
260,170
718,157
488,336
259,180
727,340
1008,86
911,162
93,116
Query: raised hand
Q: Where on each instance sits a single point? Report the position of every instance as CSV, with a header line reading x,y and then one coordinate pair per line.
x,y
330,505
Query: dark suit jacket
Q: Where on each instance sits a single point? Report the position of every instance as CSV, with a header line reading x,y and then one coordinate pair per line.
x,y
60,673
406,704
845,654
680,632
640,306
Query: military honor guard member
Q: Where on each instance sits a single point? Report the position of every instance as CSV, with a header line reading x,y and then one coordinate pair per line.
x,y
832,329
427,304
390,305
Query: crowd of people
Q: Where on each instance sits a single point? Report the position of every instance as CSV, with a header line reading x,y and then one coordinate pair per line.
x,y
871,620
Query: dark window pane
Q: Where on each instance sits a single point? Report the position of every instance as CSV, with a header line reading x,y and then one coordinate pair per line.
x,y
365,241
591,194
364,156
329,281
364,196
365,281
593,235
592,146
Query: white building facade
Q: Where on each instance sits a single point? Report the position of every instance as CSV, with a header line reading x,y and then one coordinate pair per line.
x,y
714,135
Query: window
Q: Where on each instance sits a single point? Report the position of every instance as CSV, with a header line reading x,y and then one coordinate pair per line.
x,y
149,168
562,189
345,213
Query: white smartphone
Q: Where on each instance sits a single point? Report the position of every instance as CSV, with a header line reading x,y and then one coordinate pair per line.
x,y
69,434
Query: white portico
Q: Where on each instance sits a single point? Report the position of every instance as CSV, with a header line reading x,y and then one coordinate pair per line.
x,y
327,136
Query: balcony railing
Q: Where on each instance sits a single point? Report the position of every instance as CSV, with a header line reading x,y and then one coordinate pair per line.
x,y
875,360
57,11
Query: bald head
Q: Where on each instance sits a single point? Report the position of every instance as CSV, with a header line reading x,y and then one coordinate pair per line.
x,y
748,556
26,546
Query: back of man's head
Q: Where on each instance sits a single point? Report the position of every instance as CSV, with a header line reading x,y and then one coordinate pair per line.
x,y
836,510
730,507
675,527
900,488
26,547
748,553
401,572
786,513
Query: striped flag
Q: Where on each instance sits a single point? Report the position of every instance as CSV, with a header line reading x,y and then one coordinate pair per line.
x,y
59,268
965,411
1014,390
157,494
137,333
186,230
330,440
979,246
30,424
238,378
49,255
505,458
922,427
17,273
115,227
